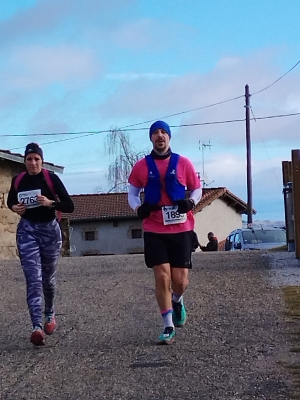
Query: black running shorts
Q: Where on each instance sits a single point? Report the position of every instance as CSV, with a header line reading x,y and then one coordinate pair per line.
x,y
172,248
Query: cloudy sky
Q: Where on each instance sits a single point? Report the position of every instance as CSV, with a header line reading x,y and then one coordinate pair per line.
x,y
89,66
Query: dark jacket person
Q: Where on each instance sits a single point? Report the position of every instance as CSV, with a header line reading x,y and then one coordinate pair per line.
x,y
212,244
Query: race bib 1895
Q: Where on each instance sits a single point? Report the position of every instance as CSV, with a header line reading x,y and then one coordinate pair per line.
x,y
172,216
30,198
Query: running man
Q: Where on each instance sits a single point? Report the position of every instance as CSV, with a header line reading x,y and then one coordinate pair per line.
x,y
39,237
168,222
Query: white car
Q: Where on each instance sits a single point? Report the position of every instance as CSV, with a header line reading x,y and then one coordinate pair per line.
x,y
255,239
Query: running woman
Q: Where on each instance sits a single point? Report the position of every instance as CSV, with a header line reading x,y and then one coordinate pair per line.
x,y
168,222
39,238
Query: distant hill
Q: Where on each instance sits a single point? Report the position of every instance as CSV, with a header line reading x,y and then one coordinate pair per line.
x,y
266,224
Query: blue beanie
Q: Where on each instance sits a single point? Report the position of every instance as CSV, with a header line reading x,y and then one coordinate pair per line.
x,y
159,125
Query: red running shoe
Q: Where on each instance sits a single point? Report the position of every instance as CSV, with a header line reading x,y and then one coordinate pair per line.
x,y
50,324
37,336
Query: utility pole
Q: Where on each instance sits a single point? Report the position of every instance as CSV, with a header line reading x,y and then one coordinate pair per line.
x,y
248,146
296,193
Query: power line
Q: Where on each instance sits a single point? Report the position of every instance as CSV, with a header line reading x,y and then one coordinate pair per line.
x,y
255,119
90,133
56,133
185,112
267,87
139,129
215,104
125,128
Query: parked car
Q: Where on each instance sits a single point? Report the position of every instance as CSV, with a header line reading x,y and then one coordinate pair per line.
x,y
255,239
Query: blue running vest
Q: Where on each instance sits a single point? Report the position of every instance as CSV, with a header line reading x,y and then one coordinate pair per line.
x,y
175,190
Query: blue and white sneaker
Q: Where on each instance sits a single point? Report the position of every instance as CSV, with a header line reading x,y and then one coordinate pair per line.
x,y
179,314
167,336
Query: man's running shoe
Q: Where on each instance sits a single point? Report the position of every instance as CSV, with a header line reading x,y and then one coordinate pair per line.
x,y
37,336
179,314
167,336
50,324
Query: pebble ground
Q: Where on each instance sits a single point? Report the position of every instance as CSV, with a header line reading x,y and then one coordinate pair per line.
x,y
234,346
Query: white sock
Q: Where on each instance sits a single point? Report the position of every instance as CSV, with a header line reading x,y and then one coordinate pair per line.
x,y
167,318
177,298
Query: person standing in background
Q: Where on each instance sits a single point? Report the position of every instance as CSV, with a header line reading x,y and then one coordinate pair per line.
x,y
212,244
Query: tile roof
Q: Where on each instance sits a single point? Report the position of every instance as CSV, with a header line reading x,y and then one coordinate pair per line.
x,y
101,206
211,194
115,205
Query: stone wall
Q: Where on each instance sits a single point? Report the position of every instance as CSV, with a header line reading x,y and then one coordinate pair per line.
x,y
65,229
8,219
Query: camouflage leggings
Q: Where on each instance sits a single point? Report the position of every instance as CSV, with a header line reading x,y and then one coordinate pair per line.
x,y
39,247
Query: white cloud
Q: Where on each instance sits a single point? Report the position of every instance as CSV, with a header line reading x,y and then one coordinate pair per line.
x,y
45,18
133,35
228,62
37,66
131,76
92,180
144,99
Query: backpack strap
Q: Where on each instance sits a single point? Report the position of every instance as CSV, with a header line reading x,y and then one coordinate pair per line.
x,y
46,176
49,182
18,180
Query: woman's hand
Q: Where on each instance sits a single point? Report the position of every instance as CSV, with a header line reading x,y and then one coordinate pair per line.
x,y
19,208
44,201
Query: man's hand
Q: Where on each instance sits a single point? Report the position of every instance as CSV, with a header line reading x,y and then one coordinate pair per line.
x,y
184,205
144,210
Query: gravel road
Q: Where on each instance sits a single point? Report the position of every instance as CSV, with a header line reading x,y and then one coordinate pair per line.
x,y
233,346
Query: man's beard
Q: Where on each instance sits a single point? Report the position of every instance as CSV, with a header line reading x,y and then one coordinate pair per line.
x,y
161,148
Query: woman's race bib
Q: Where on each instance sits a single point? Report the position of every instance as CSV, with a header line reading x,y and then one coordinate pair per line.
x,y
30,198
172,216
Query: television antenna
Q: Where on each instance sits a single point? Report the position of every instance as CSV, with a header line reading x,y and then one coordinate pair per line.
x,y
202,147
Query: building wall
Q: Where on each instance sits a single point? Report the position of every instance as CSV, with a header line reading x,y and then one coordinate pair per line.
x,y
218,218
8,219
109,239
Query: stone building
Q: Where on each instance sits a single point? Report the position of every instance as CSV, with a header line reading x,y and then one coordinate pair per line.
x,y
12,164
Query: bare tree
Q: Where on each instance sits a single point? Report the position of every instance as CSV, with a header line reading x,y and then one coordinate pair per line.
x,y
118,145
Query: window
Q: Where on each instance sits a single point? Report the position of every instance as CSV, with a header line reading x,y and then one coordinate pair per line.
x,y
230,242
136,233
89,235
264,236
237,238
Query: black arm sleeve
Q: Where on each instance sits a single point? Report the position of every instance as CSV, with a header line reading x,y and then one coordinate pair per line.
x,y
65,203
12,198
